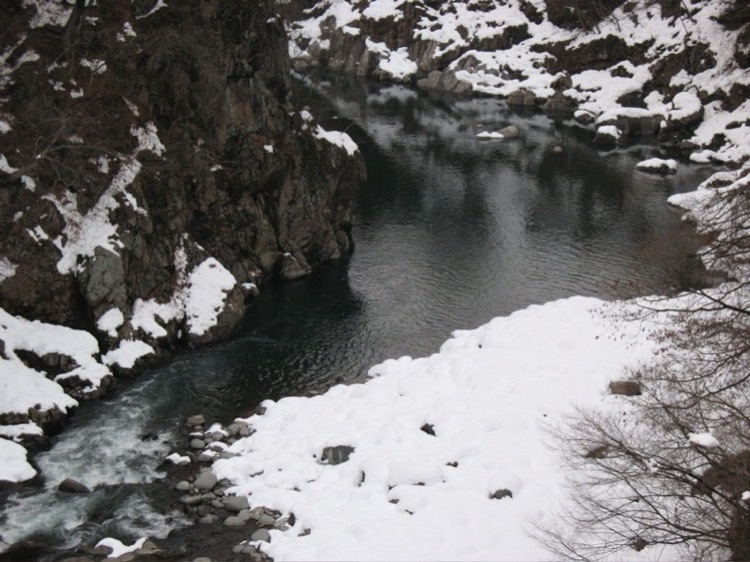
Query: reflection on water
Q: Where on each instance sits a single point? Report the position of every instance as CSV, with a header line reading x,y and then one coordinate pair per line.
x,y
451,232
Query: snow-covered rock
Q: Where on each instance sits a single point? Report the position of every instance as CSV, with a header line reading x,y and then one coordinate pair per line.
x,y
658,166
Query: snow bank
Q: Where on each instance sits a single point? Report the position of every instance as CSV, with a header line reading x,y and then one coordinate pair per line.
x,y
14,466
407,494
338,138
27,387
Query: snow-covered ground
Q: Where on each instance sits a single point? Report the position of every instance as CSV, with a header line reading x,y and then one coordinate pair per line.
x,y
435,438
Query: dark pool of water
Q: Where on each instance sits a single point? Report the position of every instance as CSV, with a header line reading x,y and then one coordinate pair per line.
x,y
451,232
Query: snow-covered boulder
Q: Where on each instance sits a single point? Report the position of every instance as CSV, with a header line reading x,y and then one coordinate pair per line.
x,y
607,136
658,166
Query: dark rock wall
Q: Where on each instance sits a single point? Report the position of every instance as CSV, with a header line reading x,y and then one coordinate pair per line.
x,y
241,178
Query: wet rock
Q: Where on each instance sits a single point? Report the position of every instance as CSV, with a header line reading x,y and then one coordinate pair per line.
x,y
291,268
337,454
557,149
208,519
522,98
509,132
558,105
72,486
182,486
234,521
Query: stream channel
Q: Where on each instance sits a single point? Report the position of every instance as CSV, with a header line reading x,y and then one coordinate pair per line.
x,y
451,231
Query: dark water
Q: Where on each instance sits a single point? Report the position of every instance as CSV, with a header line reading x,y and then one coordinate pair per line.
x,y
451,232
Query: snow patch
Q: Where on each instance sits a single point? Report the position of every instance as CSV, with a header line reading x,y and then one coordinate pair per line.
x,y
15,467
118,548
7,269
338,138
209,284
127,353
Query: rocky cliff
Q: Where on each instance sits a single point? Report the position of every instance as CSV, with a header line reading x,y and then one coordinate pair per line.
x,y
153,171
679,70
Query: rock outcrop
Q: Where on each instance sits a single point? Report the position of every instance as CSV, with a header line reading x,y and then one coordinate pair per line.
x,y
153,172
148,149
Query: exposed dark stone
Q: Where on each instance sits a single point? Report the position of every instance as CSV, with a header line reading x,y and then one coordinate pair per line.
x,y
337,454
558,105
72,486
428,428
500,494
525,98
625,388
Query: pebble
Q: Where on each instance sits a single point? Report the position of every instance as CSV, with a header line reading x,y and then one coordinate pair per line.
x,y
182,486
244,548
261,535
202,559
208,519
236,503
193,421
266,520
234,521
206,480
204,510
216,504
191,500
197,443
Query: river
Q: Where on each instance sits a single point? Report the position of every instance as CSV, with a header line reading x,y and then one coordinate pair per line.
x,y
451,232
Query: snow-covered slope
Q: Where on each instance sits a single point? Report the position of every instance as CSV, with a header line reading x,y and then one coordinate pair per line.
x,y
649,67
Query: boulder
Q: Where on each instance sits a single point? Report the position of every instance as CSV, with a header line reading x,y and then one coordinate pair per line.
x,y
558,105
291,268
236,503
607,136
206,480
509,132
337,454
72,486
522,98
261,535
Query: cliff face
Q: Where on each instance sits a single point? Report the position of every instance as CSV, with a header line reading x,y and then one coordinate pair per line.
x,y
151,164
